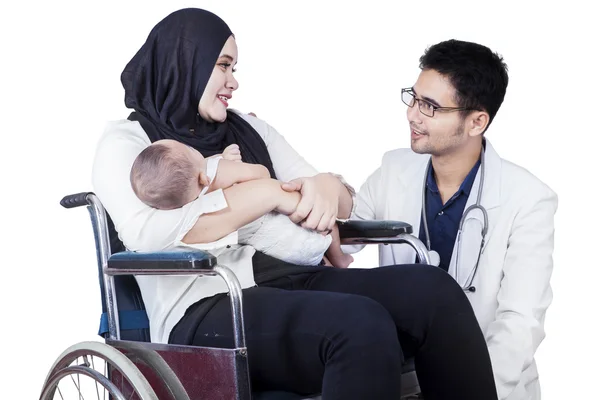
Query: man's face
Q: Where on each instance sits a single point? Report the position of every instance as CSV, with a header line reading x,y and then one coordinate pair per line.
x,y
443,133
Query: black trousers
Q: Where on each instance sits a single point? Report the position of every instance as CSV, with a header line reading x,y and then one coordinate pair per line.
x,y
346,333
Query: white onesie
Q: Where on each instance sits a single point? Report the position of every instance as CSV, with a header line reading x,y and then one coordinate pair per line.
x,y
275,235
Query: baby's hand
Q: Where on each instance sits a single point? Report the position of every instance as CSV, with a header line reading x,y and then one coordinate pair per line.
x,y
232,153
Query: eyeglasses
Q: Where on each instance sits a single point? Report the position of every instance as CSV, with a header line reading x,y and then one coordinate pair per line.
x,y
425,107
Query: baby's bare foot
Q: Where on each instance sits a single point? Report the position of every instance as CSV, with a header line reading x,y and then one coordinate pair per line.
x,y
341,261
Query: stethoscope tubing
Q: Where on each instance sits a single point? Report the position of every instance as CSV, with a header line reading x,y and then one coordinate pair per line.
x,y
477,206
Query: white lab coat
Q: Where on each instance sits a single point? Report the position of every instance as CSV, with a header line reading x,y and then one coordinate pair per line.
x,y
513,279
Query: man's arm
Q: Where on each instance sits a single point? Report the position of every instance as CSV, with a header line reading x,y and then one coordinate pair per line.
x,y
346,199
525,293
364,208
367,196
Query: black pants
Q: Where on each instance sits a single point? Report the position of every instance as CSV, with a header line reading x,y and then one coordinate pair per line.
x,y
346,333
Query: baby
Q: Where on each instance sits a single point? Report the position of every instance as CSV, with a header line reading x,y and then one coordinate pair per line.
x,y
169,174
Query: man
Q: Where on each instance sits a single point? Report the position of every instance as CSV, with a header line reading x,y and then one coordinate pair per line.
x,y
504,265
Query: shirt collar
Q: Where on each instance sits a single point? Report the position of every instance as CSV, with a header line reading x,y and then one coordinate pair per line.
x,y
465,186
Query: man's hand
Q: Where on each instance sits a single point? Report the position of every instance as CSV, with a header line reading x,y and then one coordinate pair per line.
x,y
232,153
318,207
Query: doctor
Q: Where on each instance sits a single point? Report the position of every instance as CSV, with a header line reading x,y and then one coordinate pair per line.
x,y
489,222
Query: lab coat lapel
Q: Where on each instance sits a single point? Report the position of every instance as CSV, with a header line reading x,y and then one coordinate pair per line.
x,y
410,185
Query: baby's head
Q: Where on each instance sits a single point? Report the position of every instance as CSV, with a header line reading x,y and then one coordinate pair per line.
x,y
168,174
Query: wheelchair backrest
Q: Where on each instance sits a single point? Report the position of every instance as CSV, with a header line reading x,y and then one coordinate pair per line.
x,y
133,320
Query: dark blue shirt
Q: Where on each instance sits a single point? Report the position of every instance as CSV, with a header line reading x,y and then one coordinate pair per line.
x,y
443,219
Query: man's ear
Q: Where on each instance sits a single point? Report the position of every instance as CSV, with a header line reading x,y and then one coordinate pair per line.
x,y
203,179
478,121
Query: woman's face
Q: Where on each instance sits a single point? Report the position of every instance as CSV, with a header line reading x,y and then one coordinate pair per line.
x,y
219,89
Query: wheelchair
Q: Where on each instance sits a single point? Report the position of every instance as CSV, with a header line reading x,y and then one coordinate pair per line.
x,y
128,366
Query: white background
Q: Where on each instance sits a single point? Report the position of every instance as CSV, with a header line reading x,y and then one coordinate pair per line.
x,y
328,76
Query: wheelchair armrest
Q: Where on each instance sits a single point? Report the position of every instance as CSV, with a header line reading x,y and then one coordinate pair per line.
x,y
161,263
356,229
194,262
358,232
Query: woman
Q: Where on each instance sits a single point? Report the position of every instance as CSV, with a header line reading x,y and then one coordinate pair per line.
x,y
341,332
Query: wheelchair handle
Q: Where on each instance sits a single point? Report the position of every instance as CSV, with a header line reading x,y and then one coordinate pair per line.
x,y
75,200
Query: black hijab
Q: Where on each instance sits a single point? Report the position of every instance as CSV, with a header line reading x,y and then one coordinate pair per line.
x,y
166,78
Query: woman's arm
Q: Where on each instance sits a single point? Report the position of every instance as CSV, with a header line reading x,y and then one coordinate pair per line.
x,y
287,162
143,228
246,202
324,196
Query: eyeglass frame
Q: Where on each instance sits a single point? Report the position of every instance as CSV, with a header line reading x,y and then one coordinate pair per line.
x,y
434,108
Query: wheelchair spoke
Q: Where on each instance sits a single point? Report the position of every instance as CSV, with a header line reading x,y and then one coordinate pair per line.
x,y
82,362
78,382
78,388
96,382
82,387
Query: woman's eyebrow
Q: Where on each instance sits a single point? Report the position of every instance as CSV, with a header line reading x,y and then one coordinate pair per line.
x,y
227,56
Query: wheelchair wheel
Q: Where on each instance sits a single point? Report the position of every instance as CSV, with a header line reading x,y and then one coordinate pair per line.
x,y
94,370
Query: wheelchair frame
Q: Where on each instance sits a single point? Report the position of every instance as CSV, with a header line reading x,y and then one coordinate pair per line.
x,y
164,366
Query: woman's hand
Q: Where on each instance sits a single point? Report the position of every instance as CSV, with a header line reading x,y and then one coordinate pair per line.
x,y
318,208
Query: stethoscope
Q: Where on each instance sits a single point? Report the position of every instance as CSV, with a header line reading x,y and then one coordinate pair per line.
x,y
435,257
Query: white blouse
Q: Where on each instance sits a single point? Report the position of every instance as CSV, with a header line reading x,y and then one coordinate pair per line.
x,y
142,228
